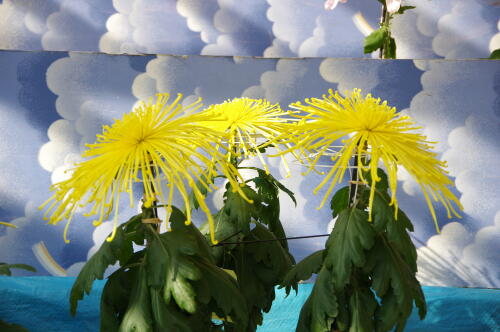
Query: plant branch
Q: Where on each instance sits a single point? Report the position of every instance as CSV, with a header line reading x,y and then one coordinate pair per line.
x,y
383,21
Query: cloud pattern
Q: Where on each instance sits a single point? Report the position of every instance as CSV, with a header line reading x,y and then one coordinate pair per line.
x,y
85,91
59,101
270,28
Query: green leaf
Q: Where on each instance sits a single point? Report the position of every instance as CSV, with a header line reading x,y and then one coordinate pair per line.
x,y
383,184
397,235
259,268
362,304
177,221
390,48
303,271
120,249
382,212
280,186
8,327
115,298
340,201
138,316
135,231
5,268
402,9
343,318
191,281
168,266
224,230
169,317
265,186
396,229
183,293
495,55
393,280
375,40
319,311
351,237
238,210
269,211
227,298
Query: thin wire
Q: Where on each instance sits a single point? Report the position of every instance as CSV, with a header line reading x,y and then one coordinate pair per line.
x,y
269,240
222,243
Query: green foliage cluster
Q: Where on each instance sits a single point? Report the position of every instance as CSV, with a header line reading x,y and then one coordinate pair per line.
x,y
367,272
260,261
179,283
5,269
172,284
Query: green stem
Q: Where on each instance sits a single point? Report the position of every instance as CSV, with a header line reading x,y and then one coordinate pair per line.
x,y
353,187
385,21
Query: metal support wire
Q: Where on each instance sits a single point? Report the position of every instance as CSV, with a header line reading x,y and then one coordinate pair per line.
x,y
269,240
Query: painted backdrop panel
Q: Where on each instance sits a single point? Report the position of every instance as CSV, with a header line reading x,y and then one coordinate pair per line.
x,y
271,28
52,103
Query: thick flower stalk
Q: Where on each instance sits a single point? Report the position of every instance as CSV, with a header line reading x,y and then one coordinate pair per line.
x,y
156,142
246,125
372,132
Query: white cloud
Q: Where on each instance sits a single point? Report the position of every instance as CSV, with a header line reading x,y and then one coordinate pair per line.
x,y
467,30
91,91
350,74
213,79
336,34
244,28
482,256
16,243
63,139
200,17
459,258
444,108
21,178
415,30
447,28
438,261
495,40
411,43
278,49
292,80
77,25
303,28
448,98
22,22
461,117
152,26
383,79
294,21
473,158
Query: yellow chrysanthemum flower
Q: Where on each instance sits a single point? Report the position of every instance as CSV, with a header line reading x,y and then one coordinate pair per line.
x,y
370,131
155,142
246,125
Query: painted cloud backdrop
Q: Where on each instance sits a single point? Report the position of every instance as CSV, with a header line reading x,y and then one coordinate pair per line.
x,y
271,28
52,103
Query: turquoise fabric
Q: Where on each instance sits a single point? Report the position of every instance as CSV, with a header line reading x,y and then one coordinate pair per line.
x,y
449,309
41,304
